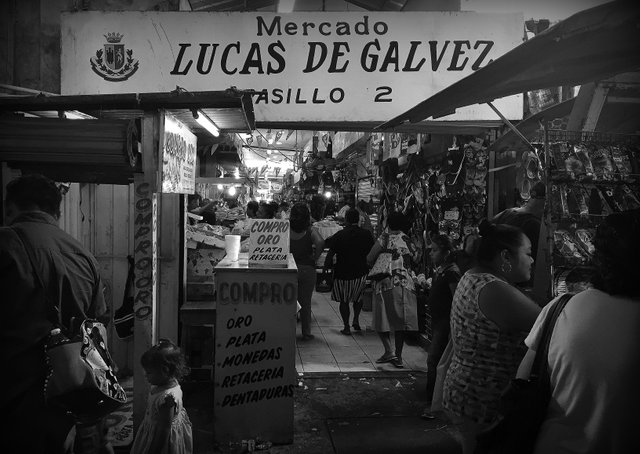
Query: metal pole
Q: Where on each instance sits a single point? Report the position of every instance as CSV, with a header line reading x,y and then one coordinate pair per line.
x,y
511,126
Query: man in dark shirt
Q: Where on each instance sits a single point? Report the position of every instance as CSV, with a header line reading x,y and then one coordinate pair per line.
x,y
72,279
350,246
528,219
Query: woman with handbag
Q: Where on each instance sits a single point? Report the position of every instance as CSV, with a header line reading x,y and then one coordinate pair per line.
x,y
489,320
594,352
394,300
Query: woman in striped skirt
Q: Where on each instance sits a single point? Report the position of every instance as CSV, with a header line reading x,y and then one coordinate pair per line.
x,y
350,247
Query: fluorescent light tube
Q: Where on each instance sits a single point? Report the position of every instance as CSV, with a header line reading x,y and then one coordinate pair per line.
x,y
206,123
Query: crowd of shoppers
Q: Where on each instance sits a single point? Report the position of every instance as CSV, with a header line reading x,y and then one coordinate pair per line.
x,y
476,309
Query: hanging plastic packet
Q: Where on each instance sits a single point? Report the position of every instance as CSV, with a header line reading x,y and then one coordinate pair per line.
x,y
581,154
602,165
622,163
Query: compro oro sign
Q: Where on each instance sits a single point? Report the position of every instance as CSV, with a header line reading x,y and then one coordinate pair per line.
x,y
269,243
311,66
178,154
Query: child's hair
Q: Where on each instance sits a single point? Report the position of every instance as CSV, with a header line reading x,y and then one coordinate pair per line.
x,y
166,354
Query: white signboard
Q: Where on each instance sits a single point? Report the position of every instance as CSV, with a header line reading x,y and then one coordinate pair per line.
x,y
255,353
311,66
269,243
178,157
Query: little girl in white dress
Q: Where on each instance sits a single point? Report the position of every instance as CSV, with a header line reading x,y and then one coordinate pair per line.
x,y
166,428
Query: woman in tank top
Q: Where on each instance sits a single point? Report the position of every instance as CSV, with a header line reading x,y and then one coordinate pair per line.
x,y
303,240
490,318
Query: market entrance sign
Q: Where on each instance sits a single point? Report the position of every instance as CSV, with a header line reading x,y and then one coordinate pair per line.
x,y
312,66
178,157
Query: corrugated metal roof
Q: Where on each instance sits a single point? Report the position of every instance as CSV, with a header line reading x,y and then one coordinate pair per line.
x,y
231,110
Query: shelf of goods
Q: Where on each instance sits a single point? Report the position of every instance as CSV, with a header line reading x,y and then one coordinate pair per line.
x,y
590,176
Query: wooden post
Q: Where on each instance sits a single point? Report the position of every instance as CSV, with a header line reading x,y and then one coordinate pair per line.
x,y
145,288
146,260
172,246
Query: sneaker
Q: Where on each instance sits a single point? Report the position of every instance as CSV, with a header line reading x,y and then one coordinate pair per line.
x,y
346,331
356,327
397,362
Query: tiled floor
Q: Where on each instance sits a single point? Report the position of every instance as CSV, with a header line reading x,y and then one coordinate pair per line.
x,y
332,351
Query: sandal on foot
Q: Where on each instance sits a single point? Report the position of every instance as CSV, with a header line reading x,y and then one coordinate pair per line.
x,y
346,331
356,327
427,415
385,359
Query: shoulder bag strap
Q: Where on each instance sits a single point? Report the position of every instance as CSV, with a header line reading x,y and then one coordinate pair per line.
x,y
54,311
540,362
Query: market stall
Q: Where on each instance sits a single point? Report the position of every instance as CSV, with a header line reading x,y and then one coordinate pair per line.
x,y
592,45
145,142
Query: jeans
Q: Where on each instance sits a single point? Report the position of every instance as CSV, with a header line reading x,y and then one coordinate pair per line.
x,y
439,339
306,285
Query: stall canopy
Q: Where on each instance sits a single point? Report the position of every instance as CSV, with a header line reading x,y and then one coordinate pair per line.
x,y
591,45
103,149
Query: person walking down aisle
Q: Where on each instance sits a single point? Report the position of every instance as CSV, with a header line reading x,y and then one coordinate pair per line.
x,y
394,301
489,320
166,427
350,246
303,239
443,287
594,352
72,282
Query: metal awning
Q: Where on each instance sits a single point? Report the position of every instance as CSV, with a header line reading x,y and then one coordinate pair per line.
x,y
104,149
591,45
231,110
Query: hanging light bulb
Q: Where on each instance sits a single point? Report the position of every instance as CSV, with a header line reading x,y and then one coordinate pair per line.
x,y
220,187
328,194
232,190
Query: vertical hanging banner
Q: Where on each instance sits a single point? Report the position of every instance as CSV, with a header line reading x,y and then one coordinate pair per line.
x,y
178,157
344,66
269,243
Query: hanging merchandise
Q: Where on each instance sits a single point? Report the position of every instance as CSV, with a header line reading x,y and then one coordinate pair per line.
x,y
591,175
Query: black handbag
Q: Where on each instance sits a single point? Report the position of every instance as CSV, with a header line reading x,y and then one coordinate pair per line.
x,y
81,376
524,402
324,282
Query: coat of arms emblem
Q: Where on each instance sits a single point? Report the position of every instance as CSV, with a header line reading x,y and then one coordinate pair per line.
x,y
114,62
